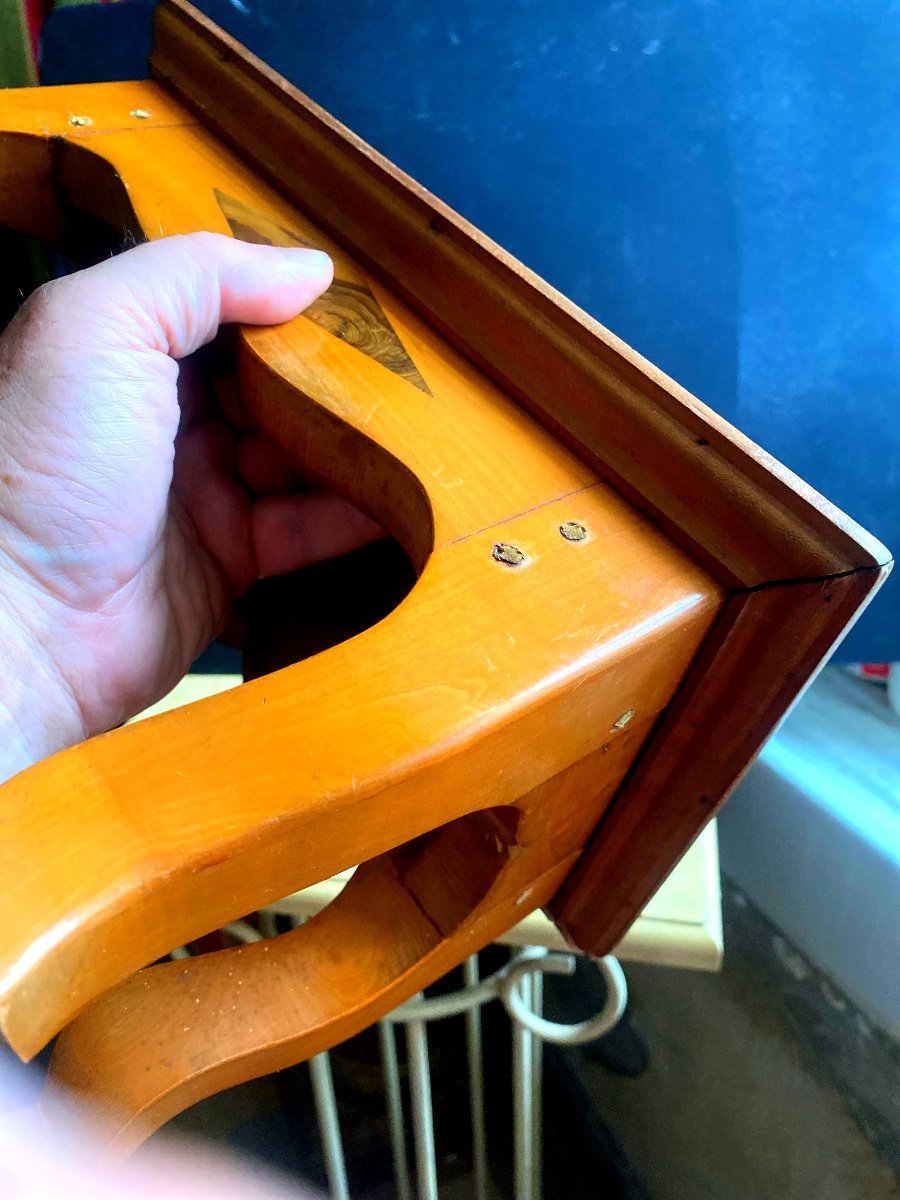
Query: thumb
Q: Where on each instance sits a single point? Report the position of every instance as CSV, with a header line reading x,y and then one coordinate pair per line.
x,y
171,295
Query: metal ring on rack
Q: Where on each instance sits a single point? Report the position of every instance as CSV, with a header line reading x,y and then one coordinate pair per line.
x,y
504,985
472,996
552,1031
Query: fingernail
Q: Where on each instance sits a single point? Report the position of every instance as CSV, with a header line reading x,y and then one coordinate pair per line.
x,y
303,263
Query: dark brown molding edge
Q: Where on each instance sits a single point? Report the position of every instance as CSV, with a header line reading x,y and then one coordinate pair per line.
x,y
733,698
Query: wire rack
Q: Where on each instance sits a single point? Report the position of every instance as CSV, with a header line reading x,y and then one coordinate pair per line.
x,y
518,986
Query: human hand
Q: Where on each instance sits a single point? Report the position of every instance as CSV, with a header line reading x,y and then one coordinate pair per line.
x,y
130,522
50,1148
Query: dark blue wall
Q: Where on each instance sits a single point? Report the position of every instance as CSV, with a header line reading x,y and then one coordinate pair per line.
x,y
718,183
591,141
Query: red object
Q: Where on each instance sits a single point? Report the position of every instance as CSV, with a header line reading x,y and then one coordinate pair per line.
x,y
872,670
35,11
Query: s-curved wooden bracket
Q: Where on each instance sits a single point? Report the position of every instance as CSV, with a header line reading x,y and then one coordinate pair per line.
x,y
618,597
490,680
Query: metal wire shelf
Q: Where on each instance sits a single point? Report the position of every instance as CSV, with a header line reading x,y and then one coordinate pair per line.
x,y
519,987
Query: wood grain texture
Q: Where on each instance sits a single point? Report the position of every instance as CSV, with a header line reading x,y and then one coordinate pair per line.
x,y
37,111
265,789
736,692
348,309
485,682
744,516
188,1029
740,513
489,689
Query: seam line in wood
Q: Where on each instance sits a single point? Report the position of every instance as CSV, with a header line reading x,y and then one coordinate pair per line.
x,y
80,133
464,537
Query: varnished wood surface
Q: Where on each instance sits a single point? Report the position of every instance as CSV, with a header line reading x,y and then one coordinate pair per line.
x,y
348,309
752,524
486,682
490,698
726,708
681,926
746,517
190,1028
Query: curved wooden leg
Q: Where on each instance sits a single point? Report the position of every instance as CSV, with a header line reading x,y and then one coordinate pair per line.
x,y
183,1030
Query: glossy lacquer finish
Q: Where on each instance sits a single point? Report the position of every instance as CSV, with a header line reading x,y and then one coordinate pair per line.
x,y
579,674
